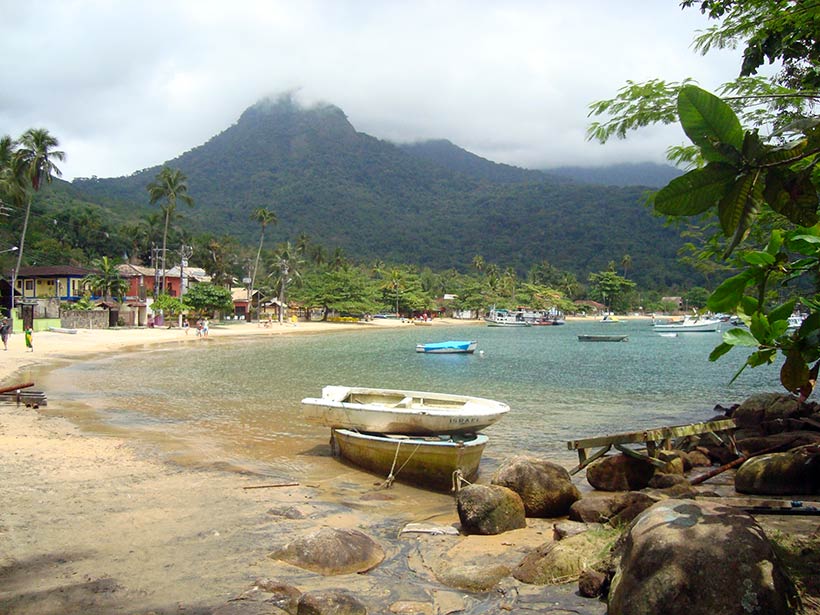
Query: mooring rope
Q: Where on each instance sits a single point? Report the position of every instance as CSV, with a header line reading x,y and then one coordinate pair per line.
x,y
392,476
458,479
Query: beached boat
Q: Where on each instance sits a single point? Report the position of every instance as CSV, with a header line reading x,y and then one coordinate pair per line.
x,y
603,338
506,318
428,462
401,412
449,347
690,324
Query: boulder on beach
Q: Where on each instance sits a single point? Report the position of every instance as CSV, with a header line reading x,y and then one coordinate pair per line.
x,y
490,509
684,557
331,551
563,561
795,472
330,602
545,487
620,473
764,407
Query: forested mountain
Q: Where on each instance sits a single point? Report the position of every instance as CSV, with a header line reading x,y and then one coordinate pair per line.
x,y
430,204
639,174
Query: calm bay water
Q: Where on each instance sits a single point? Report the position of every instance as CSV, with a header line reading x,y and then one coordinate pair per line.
x,y
237,402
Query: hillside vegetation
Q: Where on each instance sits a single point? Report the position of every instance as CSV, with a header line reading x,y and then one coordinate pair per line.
x,y
431,204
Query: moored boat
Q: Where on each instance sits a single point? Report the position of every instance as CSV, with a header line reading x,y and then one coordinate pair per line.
x,y
690,324
506,318
448,347
429,462
603,338
401,412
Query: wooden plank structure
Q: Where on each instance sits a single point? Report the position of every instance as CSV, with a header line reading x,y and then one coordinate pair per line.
x,y
660,438
15,394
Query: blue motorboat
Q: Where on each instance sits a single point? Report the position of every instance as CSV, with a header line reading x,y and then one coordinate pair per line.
x,y
448,347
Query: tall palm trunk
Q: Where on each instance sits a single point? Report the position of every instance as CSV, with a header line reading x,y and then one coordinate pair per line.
x,y
20,253
164,238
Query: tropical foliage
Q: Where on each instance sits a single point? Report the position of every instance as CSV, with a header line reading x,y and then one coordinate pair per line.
x,y
761,189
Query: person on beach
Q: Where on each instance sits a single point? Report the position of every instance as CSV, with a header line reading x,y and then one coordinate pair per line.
x,y
29,339
185,325
5,331
205,325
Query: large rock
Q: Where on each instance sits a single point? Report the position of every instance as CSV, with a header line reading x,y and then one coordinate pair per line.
x,y
330,551
683,557
796,472
490,509
545,488
616,509
330,602
765,407
560,562
620,473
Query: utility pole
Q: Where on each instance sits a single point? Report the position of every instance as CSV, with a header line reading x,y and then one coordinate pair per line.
x,y
154,253
185,253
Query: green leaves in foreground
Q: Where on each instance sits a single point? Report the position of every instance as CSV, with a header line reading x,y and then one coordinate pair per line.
x,y
742,172
768,330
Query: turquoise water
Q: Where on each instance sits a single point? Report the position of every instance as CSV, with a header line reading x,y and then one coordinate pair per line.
x,y
237,402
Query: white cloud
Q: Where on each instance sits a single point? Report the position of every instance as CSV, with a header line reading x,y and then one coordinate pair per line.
x,y
127,85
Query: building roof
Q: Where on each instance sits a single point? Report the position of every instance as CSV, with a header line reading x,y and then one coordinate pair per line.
x,y
54,271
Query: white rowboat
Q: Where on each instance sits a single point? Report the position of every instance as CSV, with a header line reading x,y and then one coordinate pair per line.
x,y
401,412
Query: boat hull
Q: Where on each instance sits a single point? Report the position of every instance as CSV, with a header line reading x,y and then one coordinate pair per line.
x,y
705,327
422,462
603,338
451,347
401,412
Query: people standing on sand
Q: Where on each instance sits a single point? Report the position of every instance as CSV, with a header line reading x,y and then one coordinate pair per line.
x,y
5,331
205,325
185,325
29,339
199,327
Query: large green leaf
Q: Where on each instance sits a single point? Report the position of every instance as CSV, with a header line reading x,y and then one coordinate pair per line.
x,y
726,297
708,121
739,207
794,374
696,191
740,337
793,195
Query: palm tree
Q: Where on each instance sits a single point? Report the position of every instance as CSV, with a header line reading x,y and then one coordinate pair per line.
x,y
106,281
286,267
264,217
478,262
33,160
169,185
626,263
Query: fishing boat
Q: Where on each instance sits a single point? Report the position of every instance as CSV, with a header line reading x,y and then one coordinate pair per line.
x,y
449,347
401,412
506,318
429,462
609,319
603,338
690,324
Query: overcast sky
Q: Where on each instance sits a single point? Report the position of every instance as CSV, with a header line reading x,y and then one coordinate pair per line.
x,y
126,85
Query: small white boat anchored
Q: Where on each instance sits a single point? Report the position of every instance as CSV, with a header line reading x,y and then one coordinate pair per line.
x,y
392,411
433,462
506,318
449,347
690,324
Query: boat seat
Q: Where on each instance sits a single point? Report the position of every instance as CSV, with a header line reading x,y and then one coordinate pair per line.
x,y
404,403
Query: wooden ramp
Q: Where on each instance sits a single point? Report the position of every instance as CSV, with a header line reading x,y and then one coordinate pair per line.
x,y
661,438
20,394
